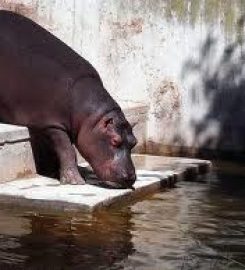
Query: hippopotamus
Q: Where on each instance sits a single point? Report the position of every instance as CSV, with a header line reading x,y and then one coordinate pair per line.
x,y
48,87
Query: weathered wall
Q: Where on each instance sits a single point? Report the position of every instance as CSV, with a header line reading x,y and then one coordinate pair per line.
x,y
185,59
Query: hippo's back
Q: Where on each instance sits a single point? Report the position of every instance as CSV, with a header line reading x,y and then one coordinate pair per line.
x,y
36,72
22,35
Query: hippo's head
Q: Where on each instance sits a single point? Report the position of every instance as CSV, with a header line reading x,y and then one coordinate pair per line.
x,y
107,147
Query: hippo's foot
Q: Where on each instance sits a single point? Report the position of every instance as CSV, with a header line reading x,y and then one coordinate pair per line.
x,y
70,176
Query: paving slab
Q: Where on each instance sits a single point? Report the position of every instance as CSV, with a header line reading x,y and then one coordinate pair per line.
x,y
153,174
13,133
16,158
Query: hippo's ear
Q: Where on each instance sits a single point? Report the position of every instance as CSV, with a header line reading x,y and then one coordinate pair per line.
x,y
108,121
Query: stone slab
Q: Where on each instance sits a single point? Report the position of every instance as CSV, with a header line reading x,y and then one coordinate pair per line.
x,y
16,161
16,157
153,173
12,133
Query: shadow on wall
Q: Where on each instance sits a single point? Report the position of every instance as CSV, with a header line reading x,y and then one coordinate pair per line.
x,y
221,87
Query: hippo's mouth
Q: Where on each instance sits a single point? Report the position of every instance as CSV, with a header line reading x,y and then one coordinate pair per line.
x,y
92,179
116,185
109,184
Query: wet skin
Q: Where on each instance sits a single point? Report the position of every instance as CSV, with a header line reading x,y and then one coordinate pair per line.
x,y
49,88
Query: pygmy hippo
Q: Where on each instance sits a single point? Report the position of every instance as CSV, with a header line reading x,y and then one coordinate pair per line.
x,y
48,87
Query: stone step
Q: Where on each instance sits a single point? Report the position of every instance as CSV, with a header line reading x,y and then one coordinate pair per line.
x,y
153,174
16,157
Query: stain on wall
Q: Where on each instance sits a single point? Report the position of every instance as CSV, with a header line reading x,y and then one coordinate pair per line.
x,y
166,100
174,33
28,9
127,28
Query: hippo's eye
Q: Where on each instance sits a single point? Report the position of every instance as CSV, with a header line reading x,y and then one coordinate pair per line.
x,y
108,121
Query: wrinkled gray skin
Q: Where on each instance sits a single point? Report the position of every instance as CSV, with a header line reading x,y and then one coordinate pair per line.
x,y
46,86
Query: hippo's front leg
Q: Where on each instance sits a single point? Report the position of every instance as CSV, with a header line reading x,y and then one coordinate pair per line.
x,y
66,155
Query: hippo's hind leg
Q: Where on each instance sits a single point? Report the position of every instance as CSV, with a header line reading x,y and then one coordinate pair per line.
x,y
66,155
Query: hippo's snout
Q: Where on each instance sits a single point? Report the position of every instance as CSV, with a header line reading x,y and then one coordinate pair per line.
x,y
124,181
128,179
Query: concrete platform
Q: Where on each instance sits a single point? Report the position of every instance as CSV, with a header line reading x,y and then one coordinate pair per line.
x,y
153,174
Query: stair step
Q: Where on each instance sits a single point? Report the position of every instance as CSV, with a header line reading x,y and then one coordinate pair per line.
x,y
16,159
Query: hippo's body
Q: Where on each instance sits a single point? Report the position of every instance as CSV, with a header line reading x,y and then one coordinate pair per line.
x,y
46,86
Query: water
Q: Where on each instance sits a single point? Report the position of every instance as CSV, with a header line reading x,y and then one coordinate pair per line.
x,y
197,225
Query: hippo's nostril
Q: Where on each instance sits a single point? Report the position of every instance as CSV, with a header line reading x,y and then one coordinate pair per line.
x,y
128,177
124,175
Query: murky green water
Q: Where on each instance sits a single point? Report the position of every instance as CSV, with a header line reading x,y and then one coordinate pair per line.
x,y
197,225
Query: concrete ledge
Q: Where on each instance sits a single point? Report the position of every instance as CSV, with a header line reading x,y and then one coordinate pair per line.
x,y
12,134
16,161
16,158
185,168
153,174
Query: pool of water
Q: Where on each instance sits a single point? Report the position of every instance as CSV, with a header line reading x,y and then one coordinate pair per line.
x,y
197,225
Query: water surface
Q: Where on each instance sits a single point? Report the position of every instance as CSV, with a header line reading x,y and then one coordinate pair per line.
x,y
197,225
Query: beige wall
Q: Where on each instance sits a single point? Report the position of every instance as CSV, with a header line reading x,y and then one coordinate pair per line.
x,y
184,59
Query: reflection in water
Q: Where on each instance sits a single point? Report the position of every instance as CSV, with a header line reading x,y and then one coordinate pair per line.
x,y
61,242
197,225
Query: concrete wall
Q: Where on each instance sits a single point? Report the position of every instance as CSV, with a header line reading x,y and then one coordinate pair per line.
x,y
185,59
